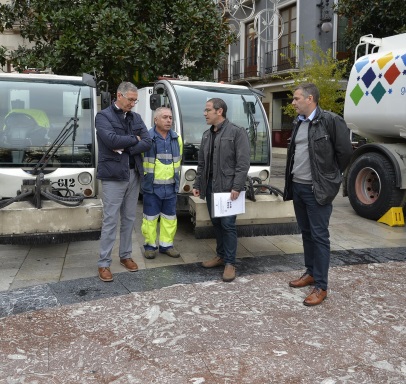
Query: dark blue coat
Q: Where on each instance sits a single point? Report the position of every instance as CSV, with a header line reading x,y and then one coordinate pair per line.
x,y
113,132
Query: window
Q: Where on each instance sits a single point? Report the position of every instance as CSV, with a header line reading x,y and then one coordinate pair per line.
x,y
287,54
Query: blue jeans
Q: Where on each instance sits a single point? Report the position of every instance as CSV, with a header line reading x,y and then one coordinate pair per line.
x,y
225,230
313,220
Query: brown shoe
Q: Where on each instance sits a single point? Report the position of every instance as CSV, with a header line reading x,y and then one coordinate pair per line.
x,y
214,262
105,274
129,264
316,297
302,281
229,273
172,252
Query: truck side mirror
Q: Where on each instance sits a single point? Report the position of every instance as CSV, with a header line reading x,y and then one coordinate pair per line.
x,y
105,99
154,101
249,107
86,103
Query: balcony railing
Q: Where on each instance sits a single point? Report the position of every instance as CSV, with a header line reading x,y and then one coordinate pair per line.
x,y
280,60
341,51
245,68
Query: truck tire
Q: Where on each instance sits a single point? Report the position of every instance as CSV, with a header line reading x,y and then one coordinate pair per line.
x,y
372,187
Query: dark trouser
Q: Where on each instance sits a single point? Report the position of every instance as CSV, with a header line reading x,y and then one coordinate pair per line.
x,y
313,220
225,230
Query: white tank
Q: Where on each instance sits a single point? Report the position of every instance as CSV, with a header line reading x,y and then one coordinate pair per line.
x,y
375,102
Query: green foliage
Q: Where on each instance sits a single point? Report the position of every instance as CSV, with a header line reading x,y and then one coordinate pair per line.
x,y
3,53
322,69
380,18
120,40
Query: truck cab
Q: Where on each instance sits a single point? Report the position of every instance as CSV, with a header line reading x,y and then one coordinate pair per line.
x,y
187,100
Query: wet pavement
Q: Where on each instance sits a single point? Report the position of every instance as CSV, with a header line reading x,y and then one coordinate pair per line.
x,y
176,322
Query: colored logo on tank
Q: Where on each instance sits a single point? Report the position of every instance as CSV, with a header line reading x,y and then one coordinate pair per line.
x,y
375,76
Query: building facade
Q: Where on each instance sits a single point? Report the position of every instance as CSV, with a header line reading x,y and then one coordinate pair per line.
x,y
267,31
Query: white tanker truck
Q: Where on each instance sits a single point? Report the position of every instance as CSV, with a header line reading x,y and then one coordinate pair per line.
x,y
375,108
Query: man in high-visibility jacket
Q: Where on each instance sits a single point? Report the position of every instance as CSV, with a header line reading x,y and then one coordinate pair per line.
x,y
160,186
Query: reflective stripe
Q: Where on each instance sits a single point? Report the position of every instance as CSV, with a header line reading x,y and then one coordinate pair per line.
x,y
166,181
150,218
149,160
164,244
164,156
168,217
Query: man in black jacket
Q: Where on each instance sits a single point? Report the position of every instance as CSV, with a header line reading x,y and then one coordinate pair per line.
x,y
319,152
122,137
223,165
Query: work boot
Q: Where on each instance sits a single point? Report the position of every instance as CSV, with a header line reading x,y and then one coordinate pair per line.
x,y
129,264
172,252
150,253
105,274
229,273
214,262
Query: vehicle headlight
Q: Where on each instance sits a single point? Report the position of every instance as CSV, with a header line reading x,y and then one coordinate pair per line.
x,y
85,178
190,175
263,175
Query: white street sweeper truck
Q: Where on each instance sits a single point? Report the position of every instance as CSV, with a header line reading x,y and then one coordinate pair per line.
x,y
266,213
48,158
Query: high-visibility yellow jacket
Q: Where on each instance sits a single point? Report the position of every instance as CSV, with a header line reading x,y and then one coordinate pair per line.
x,y
161,169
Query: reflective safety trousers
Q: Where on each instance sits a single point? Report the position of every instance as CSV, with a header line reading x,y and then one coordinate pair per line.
x,y
164,210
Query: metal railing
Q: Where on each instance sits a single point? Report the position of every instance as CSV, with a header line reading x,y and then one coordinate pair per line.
x,y
274,62
280,60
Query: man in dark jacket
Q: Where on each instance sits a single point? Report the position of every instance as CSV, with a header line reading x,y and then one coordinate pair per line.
x,y
122,137
223,164
319,152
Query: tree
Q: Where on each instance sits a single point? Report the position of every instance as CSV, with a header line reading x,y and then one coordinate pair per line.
x,y
381,18
119,40
322,69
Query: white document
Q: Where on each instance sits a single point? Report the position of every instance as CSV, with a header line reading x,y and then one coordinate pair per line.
x,y
222,205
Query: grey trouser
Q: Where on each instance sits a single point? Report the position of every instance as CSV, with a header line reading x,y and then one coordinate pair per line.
x,y
119,200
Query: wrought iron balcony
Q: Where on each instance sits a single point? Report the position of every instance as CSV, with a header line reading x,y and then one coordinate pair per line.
x,y
280,60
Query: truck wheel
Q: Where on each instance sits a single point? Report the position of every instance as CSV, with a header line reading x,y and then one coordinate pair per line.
x,y
372,187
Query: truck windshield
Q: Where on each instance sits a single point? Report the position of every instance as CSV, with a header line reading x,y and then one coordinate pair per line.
x,y
244,109
34,113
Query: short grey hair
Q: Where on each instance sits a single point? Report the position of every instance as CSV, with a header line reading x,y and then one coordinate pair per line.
x,y
125,87
159,111
309,89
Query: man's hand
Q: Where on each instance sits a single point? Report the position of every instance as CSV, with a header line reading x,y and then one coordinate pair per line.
x,y
196,192
234,195
120,151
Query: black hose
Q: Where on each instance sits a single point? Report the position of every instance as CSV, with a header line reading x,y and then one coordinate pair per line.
x,y
73,201
270,188
7,202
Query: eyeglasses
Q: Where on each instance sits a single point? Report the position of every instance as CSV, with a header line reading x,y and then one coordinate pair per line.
x,y
209,110
130,100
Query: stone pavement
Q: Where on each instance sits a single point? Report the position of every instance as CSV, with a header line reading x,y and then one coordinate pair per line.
x,y
196,329
175,322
